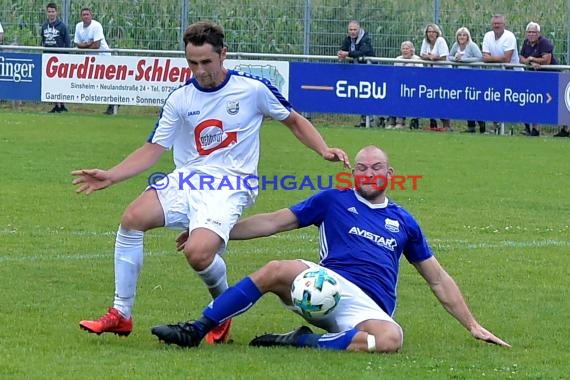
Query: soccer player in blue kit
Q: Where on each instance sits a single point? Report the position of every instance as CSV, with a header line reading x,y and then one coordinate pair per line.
x,y
362,237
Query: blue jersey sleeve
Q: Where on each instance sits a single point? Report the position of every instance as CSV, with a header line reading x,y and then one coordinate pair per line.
x,y
312,210
417,248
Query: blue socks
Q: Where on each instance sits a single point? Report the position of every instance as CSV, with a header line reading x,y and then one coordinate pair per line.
x,y
234,301
241,297
330,341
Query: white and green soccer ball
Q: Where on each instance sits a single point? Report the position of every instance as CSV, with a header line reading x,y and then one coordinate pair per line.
x,y
315,292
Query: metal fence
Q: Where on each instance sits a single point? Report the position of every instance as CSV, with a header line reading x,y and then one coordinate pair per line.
x,y
313,27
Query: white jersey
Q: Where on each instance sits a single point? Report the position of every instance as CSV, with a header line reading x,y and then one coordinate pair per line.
x,y
93,32
216,131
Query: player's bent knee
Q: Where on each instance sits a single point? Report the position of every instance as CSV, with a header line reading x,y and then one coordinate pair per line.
x,y
141,218
273,267
131,220
272,276
269,272
388,336
201,247
144,213
199,259
389,341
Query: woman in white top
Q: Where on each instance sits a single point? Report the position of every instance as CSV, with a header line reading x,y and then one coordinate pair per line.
x,y
434,48
465,50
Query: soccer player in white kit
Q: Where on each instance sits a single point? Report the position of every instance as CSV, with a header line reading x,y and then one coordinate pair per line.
x,y
362,238
212,123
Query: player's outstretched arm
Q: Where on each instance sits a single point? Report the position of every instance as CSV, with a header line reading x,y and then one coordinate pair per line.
x,y
449,295
308,135
264,225
255,226
90,180
483,334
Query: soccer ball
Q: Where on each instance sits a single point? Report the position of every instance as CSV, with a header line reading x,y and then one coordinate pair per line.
x,y
315,292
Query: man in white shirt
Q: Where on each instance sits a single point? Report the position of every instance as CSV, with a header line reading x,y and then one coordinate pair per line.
x,y
1,34
89,35
499,44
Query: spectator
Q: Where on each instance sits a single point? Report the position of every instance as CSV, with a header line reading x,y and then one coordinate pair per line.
x,y
499,46
465,50
408,51
435,49
1,34
89,35
54,33
536,51
357,45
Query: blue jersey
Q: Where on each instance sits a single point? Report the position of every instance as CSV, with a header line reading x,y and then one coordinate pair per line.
x,y
362,241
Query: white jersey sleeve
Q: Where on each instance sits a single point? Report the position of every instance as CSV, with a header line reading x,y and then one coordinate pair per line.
x,y
168,123
271,101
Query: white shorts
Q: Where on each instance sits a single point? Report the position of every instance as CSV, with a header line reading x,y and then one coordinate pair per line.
x,y
354,307
187,207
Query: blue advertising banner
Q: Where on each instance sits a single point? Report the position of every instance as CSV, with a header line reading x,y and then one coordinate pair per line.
x,y
20,76
451,93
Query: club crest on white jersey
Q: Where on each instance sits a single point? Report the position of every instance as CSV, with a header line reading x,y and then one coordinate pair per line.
x,y
232,107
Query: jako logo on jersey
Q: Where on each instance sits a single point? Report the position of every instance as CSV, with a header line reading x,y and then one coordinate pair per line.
x,y
210,136
232,107
193,113
392,225
390,244
352,210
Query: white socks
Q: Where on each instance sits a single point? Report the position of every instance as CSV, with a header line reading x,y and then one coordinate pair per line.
x,y
128,264
215,276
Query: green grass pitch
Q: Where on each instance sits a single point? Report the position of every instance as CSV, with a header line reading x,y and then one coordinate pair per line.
x,y
495,209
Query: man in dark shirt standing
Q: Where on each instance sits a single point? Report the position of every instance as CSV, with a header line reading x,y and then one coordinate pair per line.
x,y
357,45
536,51
55,34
